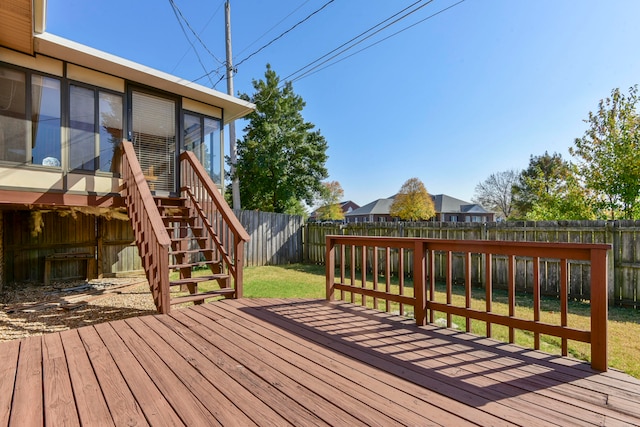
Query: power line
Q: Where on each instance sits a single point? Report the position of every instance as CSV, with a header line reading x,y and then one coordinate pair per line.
x,y
352,39
208,73
175,12
201,31
287,31
274,26
311,72
285,80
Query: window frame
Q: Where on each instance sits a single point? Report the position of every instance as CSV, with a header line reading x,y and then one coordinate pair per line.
x,y
220,153
28,117
65,121
97,90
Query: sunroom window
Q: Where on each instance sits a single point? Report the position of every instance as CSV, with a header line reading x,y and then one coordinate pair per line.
x,y
82,139
202,136
13,115
45,121
110,128
95,128
30,134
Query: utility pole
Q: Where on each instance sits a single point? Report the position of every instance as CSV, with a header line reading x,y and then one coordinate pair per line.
x,y
235,183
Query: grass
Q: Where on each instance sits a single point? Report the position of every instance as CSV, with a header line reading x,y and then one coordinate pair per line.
x,y
308,281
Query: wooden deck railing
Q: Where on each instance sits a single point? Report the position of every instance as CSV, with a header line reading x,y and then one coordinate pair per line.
x,y
361,268
228,235
151,235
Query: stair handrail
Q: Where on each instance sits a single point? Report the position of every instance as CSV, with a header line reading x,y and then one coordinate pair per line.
x,y
189,161
152,238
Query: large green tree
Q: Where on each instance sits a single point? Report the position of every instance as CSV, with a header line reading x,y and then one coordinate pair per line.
x,y
609,154
281,159
549,190
413,202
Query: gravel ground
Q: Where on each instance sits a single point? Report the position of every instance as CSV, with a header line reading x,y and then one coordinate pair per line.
x,y
27,310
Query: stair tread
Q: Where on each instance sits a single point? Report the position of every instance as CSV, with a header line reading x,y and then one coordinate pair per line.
x,y
192,264
190,251
188,280
182,239
186,227
202,296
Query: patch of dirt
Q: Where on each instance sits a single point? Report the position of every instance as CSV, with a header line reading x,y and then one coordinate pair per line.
x,y
27,310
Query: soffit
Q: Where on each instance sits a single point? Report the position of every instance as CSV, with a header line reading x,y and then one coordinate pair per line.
x,y
66,50
16,25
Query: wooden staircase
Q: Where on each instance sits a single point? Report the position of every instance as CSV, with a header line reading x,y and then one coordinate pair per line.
x,y
191,248
196,229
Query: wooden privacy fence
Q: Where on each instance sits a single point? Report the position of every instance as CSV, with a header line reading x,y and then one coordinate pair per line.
x,y
623,267
378,290
276,238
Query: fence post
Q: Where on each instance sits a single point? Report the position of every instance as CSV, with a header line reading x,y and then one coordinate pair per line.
x,y
330,267
599,310
419,283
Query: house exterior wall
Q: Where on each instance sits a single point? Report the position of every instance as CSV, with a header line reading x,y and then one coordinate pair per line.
x,y
370,218
35,178
465,217
43,181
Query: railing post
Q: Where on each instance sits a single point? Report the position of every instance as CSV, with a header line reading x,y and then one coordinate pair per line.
x,y
330,260
419,283
239,254
599,309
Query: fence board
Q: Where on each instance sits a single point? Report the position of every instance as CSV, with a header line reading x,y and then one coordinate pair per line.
x,y
276,239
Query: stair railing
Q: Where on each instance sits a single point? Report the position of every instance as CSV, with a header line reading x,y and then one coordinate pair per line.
x,y
228,235
151,235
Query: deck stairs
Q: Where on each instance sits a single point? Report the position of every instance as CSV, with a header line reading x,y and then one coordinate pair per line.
x,y
193,229
192,248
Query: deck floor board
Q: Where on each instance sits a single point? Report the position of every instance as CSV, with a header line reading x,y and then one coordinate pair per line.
x,y
297,362
27,406
361,391
123,407
9,352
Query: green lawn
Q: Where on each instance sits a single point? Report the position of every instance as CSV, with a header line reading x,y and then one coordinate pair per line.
x,y
308,281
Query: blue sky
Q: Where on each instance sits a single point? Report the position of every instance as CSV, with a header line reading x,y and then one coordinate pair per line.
x,y
474,90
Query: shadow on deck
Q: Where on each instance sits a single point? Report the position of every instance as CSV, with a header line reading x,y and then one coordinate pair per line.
x,y
298,362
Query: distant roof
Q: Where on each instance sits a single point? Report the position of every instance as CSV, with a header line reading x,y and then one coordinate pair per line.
x,y
346,202
442,202
380,206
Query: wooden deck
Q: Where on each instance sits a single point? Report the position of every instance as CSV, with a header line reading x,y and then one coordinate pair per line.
x,y
297,362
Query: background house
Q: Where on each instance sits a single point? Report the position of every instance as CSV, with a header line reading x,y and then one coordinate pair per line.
x,y
376,211
447,208
346,206
450,209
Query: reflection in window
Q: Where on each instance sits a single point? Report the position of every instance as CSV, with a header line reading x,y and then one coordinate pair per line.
x,y
192,132
202,137
45,118
211,149
110,116
13,120
82,140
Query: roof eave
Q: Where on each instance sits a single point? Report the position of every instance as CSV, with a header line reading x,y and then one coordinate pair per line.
x,y
67,50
